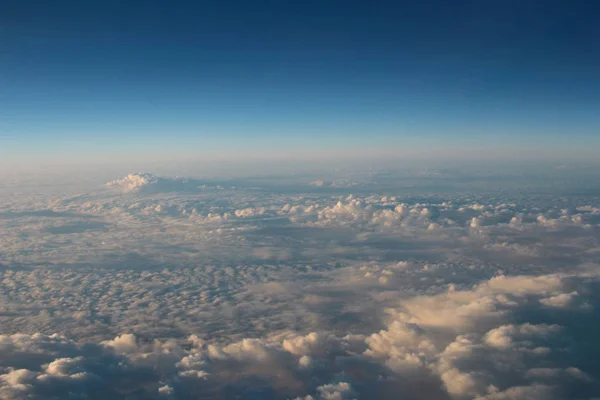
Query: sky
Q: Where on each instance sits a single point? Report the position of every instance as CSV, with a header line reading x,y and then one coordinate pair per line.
x,y
118,80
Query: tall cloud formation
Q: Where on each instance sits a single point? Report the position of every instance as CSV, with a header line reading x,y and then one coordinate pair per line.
x,y
280,293
148,183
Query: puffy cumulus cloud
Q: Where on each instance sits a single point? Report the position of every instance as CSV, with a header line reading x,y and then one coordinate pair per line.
x,y
466,339
472,365
54,367
332,391
304,345
353,212
565,300
521,285
504,336
391,212
403,346
475,222
250,212
134,182
41,366
51,367
487,302
125,343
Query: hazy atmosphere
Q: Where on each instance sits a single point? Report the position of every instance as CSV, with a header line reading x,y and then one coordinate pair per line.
x,y
313,200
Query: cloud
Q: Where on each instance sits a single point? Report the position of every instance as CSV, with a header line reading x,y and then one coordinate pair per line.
x,y
134,182
563,300
281,291
249,212
532,392
46,367
337,391
148,183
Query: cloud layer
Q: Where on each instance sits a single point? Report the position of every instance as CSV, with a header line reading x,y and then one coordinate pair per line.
x,y
164,288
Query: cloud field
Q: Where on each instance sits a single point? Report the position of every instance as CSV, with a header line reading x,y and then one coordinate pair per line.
x,y
431,284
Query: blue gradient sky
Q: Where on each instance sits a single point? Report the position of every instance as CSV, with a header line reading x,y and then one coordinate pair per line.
x,y
95,78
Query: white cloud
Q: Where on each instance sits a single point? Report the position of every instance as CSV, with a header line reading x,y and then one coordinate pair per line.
x,y
562,300
249,212
134,182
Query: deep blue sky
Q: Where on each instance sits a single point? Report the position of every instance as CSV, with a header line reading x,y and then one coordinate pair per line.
x,y
114,77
